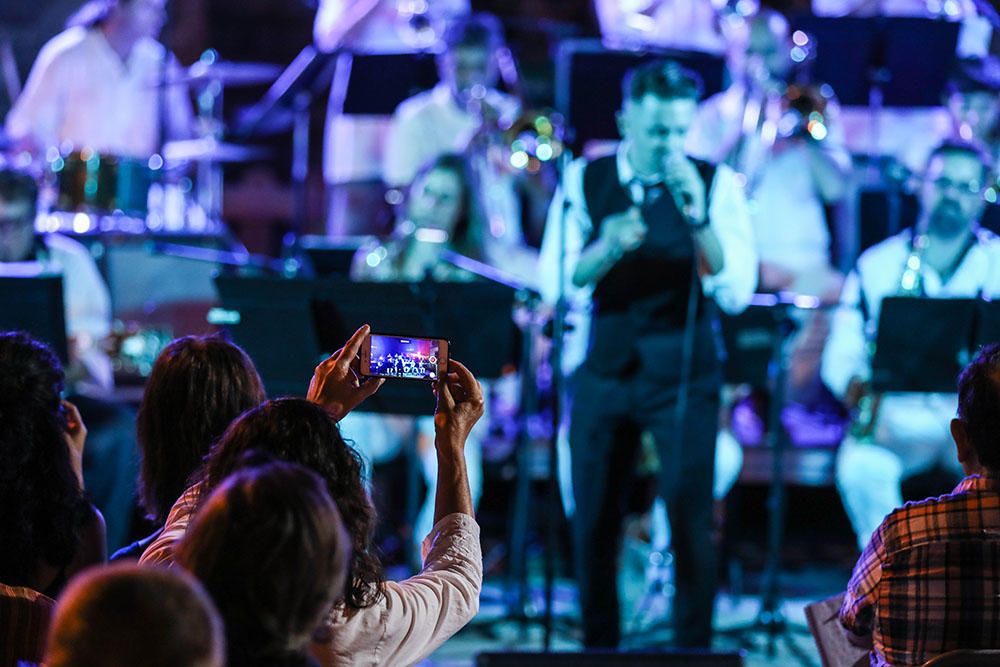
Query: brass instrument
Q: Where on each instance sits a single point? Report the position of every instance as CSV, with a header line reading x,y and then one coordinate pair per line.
x,y
867,402
804,111
534,139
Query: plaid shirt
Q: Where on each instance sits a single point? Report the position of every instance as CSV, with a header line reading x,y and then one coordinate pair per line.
x,y
929,580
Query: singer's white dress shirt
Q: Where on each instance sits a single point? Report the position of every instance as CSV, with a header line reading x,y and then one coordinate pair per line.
x,y
731,288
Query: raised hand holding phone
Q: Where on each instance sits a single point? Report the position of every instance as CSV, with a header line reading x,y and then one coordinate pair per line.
x,y
336,385
460,404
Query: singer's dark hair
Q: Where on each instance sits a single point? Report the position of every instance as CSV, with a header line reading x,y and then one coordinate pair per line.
x,y
479,30
665,79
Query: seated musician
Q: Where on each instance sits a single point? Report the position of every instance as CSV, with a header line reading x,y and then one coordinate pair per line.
x,y
99,85
947,256
789,177
438,215
464,113
85,296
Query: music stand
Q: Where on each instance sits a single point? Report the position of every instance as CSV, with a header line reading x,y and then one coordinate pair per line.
x,y
330,257
475,317
589,77
376,83
287,326
746,366
34,303
922,344
905,61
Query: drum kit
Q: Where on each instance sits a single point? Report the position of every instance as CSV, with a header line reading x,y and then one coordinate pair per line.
x,y
178,189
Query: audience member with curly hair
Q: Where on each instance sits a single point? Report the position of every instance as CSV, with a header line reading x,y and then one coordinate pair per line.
x,y
270,547
198,385
377,622
48,528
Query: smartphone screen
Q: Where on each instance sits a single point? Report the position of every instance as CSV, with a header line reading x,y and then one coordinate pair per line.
x,y
409,358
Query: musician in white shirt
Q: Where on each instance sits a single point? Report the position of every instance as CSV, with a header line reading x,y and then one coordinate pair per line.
x,y
910,433
100,85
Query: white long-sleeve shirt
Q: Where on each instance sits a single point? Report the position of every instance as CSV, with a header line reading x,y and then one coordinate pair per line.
x,y
877,276
80,93
731,288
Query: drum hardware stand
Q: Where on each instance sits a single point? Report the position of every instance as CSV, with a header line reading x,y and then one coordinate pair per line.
x,y
210,101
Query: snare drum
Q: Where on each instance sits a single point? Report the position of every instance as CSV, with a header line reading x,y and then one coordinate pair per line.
x,y
90,182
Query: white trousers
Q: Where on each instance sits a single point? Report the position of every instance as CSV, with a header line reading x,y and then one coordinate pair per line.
x,y
912,435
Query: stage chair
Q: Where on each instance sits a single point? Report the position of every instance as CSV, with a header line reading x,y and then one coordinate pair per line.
x,y
965,658
610,659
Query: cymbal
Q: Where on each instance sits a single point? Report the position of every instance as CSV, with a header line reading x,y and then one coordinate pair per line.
x,y
227,73
210,150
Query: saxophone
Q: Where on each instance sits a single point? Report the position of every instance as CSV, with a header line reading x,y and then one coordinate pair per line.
x,y
866,401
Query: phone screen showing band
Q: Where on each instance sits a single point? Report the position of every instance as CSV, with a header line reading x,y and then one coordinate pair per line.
x,y
402,357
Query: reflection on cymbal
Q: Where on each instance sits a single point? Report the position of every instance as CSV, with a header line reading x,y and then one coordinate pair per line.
x,y
210,150
227,73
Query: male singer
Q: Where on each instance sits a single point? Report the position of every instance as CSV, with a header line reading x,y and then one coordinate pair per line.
x,y
652,237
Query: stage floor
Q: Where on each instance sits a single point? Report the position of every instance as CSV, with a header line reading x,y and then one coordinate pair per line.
x,y
644,624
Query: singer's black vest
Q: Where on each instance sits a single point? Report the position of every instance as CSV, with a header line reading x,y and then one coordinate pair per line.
x,y
646,292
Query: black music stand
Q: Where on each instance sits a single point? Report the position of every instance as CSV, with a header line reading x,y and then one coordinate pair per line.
x,y
327,256
904,61
287,326
589,78
35,304
923,344
475,317
376,83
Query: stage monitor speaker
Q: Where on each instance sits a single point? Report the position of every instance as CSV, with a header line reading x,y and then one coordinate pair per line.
x,y
611,659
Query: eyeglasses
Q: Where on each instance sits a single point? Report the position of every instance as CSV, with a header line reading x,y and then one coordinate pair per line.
x,y
943,184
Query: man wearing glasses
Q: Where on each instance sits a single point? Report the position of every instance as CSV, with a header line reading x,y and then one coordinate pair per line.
x,y
947,256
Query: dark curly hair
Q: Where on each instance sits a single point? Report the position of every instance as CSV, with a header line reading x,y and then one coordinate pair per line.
x,y
199,385
297,431
41,503
272,550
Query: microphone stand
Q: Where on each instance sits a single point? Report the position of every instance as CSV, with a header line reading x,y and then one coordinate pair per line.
x,y
557,385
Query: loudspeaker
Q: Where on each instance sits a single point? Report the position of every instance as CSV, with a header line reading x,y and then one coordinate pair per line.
x,y
610,659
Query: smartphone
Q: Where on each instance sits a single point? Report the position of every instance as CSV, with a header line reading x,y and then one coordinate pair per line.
x,y
406,357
